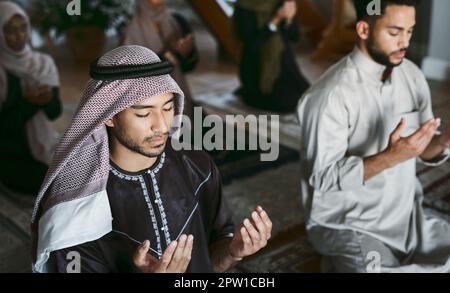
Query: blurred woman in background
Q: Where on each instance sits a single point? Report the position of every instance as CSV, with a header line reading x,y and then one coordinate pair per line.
x,y
29,98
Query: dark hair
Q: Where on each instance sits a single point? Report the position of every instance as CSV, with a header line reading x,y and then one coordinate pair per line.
x,y
361,6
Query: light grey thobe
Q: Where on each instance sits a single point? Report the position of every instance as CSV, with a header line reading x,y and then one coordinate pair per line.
x,y
346,116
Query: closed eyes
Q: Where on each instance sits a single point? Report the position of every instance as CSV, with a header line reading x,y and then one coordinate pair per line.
x,y
148,114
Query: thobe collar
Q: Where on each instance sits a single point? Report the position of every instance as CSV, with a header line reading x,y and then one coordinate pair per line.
x,y
153,169
371,70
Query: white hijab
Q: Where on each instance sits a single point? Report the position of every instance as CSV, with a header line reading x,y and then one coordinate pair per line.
x,y
33,69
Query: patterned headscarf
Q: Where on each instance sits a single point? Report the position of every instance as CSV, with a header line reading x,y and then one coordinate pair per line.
x,y
72,206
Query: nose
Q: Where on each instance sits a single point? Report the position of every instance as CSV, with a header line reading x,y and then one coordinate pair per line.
x,y
23,36
404,40
20,39
159,123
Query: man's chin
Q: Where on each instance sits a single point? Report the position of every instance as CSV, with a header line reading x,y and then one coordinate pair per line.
x,y
155,151
396,62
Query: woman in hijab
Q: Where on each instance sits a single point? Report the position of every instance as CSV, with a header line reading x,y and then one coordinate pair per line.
x,y
270,77
29,98
170,36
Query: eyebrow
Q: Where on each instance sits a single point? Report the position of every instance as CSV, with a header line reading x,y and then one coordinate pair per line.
x,y
15,26
399,28
141,107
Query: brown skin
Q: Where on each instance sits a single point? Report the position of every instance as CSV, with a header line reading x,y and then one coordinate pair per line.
x,y
139,135
175,258
249,237
156,4
140,132
385,40
16,34
40,96
286,12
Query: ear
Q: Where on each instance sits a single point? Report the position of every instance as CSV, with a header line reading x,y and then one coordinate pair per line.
x,y
363,29
110,122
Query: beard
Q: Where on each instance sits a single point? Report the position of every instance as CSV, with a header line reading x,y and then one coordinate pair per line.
x,y
136,147
381,57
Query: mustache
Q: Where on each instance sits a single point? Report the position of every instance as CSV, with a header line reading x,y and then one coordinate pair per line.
x,y
404,50
156,136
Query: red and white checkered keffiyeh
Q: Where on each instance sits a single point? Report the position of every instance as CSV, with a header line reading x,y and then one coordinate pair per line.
x,y
72,206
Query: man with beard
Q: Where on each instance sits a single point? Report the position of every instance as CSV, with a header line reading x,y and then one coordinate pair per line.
x,y
119,198
364,124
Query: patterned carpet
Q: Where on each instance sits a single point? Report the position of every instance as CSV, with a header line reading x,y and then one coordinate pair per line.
x,y
238,164
275,188
15,214
224,103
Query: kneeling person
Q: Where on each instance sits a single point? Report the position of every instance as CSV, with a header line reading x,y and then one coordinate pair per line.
x,y
364,124
120,198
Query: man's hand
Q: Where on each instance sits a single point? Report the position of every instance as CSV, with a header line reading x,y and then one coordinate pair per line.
x,y
40,96
251,235
175,258
402,149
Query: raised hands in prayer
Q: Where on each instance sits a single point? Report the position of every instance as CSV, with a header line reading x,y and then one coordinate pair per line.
x,y
175,258
252,235
402,149
40,96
